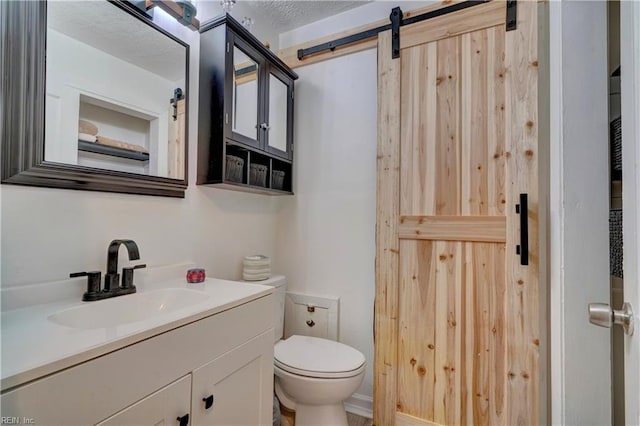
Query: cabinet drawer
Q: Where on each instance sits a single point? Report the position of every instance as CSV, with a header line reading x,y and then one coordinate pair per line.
x,y
160,408
92,391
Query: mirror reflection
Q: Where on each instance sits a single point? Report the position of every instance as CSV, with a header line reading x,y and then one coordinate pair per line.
x,y
278,113
115,91
245,94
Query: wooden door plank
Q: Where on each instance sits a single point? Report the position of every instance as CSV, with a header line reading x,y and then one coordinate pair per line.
x,y
454,333
387,242
447,181
441,257
454,228
416,333
522,171
497,317
467,349
403,419
428,121
482,267
496,162
454,24
418,146
474,121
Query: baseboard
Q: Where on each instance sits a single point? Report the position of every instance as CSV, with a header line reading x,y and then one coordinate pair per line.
x,y
361,405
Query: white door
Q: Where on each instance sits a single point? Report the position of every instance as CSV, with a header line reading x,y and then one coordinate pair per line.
x,y
580,353
627,315
630,98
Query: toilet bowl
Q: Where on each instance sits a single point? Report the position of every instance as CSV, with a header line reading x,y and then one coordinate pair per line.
x,y
315,376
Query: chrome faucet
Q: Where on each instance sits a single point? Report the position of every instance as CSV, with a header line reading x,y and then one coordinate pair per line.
x,y
112,287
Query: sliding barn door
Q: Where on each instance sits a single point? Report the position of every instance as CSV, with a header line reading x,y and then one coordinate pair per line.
x,y
457,323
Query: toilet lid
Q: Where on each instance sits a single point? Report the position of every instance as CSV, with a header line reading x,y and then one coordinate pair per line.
x,y
316,357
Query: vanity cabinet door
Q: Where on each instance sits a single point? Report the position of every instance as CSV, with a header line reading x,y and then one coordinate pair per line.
x,y
236,389
165,407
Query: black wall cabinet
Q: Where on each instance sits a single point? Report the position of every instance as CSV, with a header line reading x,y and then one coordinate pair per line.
x,y
245,123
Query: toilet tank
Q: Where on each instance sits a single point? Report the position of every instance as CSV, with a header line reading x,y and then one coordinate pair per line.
x,y
280,284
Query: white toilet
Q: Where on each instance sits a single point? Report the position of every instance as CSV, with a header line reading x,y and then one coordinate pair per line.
x,y
313,376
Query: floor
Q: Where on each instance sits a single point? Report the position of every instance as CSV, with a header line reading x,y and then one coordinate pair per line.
x,y
288,419
358,421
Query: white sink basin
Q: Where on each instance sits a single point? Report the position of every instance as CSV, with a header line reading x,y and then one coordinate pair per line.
x,y
128,308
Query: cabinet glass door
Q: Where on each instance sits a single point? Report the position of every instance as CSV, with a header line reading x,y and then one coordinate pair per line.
x,y
245,97
280,110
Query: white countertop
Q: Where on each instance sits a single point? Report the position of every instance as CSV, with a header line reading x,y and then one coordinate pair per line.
x,y
33,346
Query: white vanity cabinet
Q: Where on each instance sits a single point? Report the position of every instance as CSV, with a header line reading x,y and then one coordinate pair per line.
x,y
158,379
236,382
163,407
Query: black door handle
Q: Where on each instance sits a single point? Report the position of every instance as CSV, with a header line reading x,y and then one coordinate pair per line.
x,y
522,249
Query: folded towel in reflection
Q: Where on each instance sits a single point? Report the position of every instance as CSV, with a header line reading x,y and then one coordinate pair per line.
x,y
119,144
86,137
87,127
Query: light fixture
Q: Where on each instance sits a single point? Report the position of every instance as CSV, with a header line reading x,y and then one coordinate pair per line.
x,y
182,10
248,23
189,11
227,5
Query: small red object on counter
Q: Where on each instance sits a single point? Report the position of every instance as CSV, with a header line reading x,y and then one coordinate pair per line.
x,y
195,275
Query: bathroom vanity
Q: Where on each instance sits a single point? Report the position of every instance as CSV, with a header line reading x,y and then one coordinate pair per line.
x,y
170,354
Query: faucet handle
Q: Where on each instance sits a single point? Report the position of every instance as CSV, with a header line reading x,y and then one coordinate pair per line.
x,y
127,276
93,283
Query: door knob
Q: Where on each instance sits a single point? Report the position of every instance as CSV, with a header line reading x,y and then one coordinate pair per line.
x,y
602,315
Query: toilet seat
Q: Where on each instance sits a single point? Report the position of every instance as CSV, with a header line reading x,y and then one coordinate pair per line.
x,y
315,357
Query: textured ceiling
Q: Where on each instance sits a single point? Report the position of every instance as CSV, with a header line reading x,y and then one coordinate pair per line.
x,y
285,15
108,28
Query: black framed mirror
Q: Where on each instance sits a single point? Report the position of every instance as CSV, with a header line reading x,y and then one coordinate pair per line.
x,y
94,97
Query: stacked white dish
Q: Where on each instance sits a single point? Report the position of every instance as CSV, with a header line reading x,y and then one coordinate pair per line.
x,y
256,268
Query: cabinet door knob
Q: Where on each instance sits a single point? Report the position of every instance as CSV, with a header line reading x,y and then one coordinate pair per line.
x,y
184,420
208,402
310,323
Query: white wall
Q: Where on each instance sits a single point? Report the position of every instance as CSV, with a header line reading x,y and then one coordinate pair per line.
x,y
326,232
74,69
579,202
48,233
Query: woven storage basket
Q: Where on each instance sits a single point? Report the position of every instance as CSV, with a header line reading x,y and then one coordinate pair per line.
x,y
235,165
277,179
257,175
